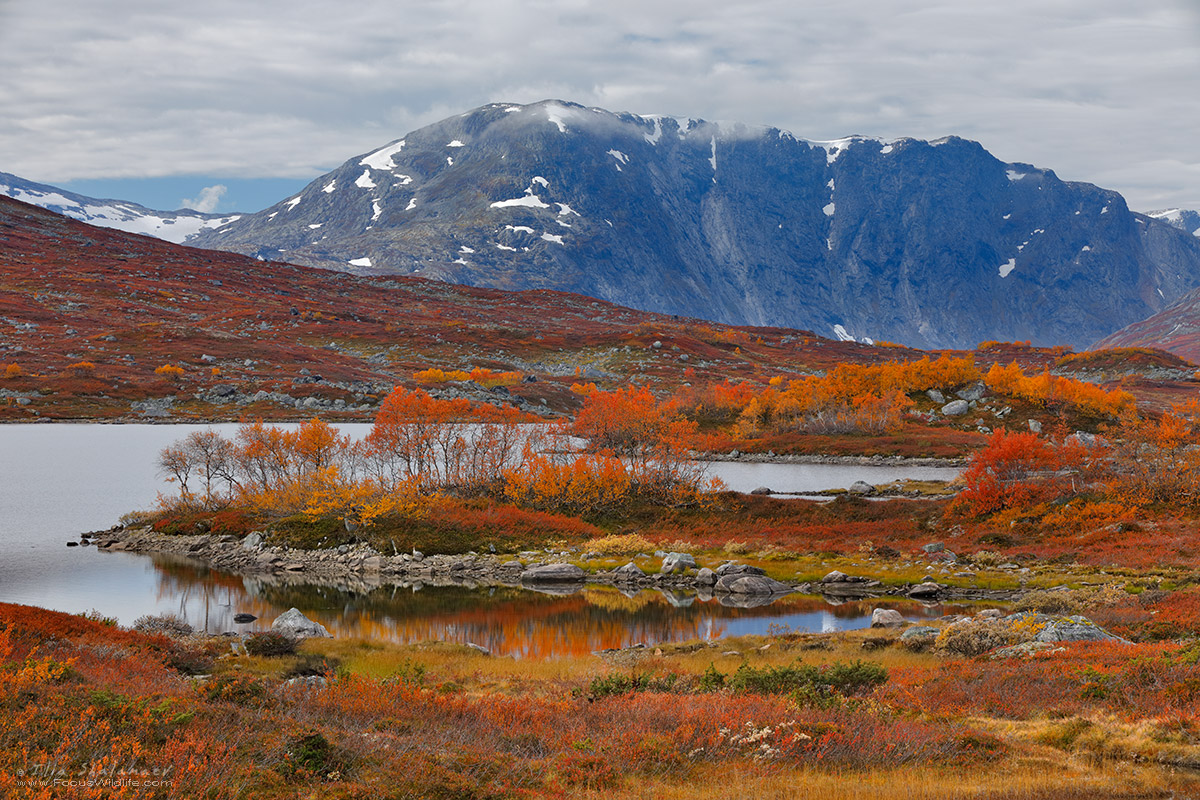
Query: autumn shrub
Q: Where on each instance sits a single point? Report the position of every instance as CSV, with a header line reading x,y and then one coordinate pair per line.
x,y
169,371
1017,470
619,545
166,624
974,637
1158,460
311,755
270,644
13,371
1055,392
806,679
81,368
242,690
617,683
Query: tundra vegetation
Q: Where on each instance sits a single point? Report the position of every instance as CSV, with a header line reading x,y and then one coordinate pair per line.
x,y
1105,521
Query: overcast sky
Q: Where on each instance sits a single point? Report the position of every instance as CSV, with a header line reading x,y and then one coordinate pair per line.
x,y
187,96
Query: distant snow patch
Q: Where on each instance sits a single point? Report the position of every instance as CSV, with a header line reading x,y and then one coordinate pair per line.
x,y
564,209
1008,216
449,161
364,180
465,249
713,158
653,138
1104,210
828,209
412,203
887,148
1086,248
404,180
272,215
1160,294
564,224
1013,175
540,180
1008,267
835,148
550,237
459,261
382,159
842,335
528,201
830,184
329,187
506,247
314,226
456,143
295,201
619,156
376,210
360,262
558,115
511,109
520,228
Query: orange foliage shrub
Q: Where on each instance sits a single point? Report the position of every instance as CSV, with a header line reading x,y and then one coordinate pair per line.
x,y
1052,391
13,371
170,372
1158,461
484,377
82,368
1017,470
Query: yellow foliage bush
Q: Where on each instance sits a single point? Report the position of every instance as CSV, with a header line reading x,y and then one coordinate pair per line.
x,y
619,545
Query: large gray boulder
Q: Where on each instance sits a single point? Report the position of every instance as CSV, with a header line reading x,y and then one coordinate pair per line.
x,y
553,573
972,392
751,584
886,618
956,408
629,572
1052,628
705,577
294,624
677,562
739,569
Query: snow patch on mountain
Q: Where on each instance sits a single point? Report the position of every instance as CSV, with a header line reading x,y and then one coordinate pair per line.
x,y
381,159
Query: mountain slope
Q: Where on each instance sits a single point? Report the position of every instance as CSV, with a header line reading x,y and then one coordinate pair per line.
x,y
171,226
1176,329
1182,218
927,243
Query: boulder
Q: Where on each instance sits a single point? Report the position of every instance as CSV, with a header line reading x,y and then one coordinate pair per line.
x,y
553,573
934,547
705,577
751,584
861,487
886,618
1035,426
919,634
294,624
253,540
739,569
479,648
677,562
630,571
761,490
835,577
1074,629
936,396
972,392
956,408
927,589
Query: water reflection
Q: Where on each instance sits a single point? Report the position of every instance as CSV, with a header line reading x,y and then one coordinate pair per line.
x,y
508,620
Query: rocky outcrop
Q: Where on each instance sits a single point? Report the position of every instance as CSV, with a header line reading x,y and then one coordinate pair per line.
x,y
294,624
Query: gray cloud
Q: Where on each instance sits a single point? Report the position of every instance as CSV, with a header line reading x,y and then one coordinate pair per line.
x,y
1097,90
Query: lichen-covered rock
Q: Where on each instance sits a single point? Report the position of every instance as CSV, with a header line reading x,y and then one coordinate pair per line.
x,y
886,618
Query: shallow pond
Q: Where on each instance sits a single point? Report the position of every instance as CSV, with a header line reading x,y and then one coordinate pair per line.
x,y
59,480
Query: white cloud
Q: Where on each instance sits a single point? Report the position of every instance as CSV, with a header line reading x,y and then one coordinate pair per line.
x,y
206,201
1095,89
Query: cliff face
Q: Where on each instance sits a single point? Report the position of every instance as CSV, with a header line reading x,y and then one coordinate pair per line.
x,y
936,244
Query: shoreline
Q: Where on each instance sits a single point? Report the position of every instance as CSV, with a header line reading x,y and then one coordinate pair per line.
x,y
547,572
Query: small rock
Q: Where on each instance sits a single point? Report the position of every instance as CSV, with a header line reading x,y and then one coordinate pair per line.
x,y
1035,426
479,648
972,392
936,396
934,547
243,618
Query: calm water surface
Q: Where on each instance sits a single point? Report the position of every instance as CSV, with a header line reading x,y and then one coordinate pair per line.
x,y
59,480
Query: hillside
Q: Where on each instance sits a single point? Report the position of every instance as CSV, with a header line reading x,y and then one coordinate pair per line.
x,y
173,226
1175,328
933,244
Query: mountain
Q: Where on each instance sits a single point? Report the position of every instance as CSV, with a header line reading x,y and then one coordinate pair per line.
x,y
172,226
88,316
1175,329
1182,218
934,244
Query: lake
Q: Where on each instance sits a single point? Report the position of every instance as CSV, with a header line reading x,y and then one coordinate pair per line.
x,y
57,480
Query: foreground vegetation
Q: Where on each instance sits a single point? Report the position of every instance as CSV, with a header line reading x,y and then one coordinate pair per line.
x,y
793,715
